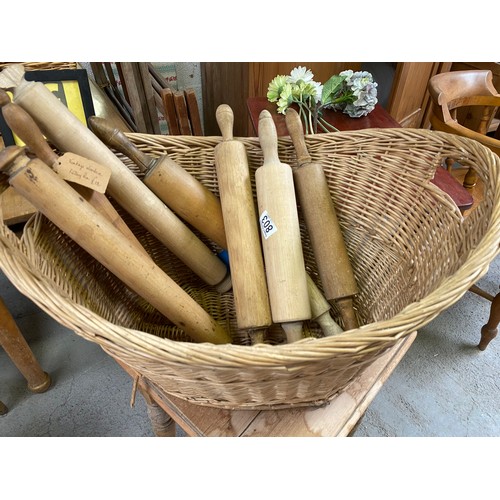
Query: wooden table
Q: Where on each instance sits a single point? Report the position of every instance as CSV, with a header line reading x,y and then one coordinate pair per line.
x,y
338,418
378,118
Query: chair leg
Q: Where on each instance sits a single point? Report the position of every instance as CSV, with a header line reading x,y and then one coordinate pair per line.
x,y
490,329
16,347
470,179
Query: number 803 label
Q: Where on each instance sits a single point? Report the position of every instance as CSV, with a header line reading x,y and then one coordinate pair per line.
x,y
267,226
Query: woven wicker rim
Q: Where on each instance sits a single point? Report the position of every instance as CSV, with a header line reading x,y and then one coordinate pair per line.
x,y
358,342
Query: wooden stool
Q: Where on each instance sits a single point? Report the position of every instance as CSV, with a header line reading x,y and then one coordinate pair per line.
x,y
16,347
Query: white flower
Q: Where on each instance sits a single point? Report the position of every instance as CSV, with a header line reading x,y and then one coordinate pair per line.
x,y
300,73
348,74
318,87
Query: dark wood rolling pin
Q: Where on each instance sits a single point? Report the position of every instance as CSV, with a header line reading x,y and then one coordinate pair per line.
x,y
327,241
65,207
176,187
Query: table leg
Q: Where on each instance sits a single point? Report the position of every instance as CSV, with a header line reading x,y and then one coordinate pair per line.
x,y
16,347
163,425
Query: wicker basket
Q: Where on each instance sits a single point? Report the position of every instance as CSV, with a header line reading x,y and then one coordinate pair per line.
x,y
412,252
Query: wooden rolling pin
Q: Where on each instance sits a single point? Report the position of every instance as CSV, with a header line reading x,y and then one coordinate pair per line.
x,y
63,129
251,299
176,187
21,123
327,241
64,206
281,239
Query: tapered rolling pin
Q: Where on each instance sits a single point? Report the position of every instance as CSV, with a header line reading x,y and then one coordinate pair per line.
x,y
21,123
327,242
63,129
180,191
64,206
281,239
251,299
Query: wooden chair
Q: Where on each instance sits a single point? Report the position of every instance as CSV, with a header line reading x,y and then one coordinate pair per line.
x,y
145,93
181,112
465,103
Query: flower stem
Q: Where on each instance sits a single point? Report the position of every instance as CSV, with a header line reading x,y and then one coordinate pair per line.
x,y
303,116
324,124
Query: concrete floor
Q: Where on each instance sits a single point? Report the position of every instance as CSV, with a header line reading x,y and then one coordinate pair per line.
x,y
444,386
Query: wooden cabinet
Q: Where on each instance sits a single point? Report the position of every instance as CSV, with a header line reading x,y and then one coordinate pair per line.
x,y
409,98
232,83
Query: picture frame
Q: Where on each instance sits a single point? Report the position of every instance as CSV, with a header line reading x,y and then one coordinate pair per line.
x,y
71,86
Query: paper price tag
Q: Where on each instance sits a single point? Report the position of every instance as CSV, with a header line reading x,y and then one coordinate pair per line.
x,y
267,226
80,170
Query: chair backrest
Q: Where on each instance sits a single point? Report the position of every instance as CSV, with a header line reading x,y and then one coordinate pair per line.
x,y
181,112
465,103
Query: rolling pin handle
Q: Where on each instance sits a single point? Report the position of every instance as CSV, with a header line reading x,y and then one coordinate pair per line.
x,y
115,138
21,122
4,98
296,131
268,137
345,306
225,119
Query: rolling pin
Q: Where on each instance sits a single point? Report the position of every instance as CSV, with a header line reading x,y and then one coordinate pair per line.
x,y
21,123
251,299
65,207
63,129
176,187
280,234
327,242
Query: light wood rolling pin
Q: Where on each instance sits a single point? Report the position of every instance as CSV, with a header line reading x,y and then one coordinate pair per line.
x,y
251,299
327,242
176,187
21,123
63,129
281,239
65,207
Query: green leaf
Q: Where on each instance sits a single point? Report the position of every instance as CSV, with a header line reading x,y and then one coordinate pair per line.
x,y
331,88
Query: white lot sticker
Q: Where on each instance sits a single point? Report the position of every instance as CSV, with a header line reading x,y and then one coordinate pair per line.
x,y
267,226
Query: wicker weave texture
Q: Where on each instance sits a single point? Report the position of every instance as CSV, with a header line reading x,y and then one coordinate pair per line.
x,y
412,252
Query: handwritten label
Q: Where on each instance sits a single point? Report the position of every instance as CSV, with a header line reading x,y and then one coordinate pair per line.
x,y
267,226
80,170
